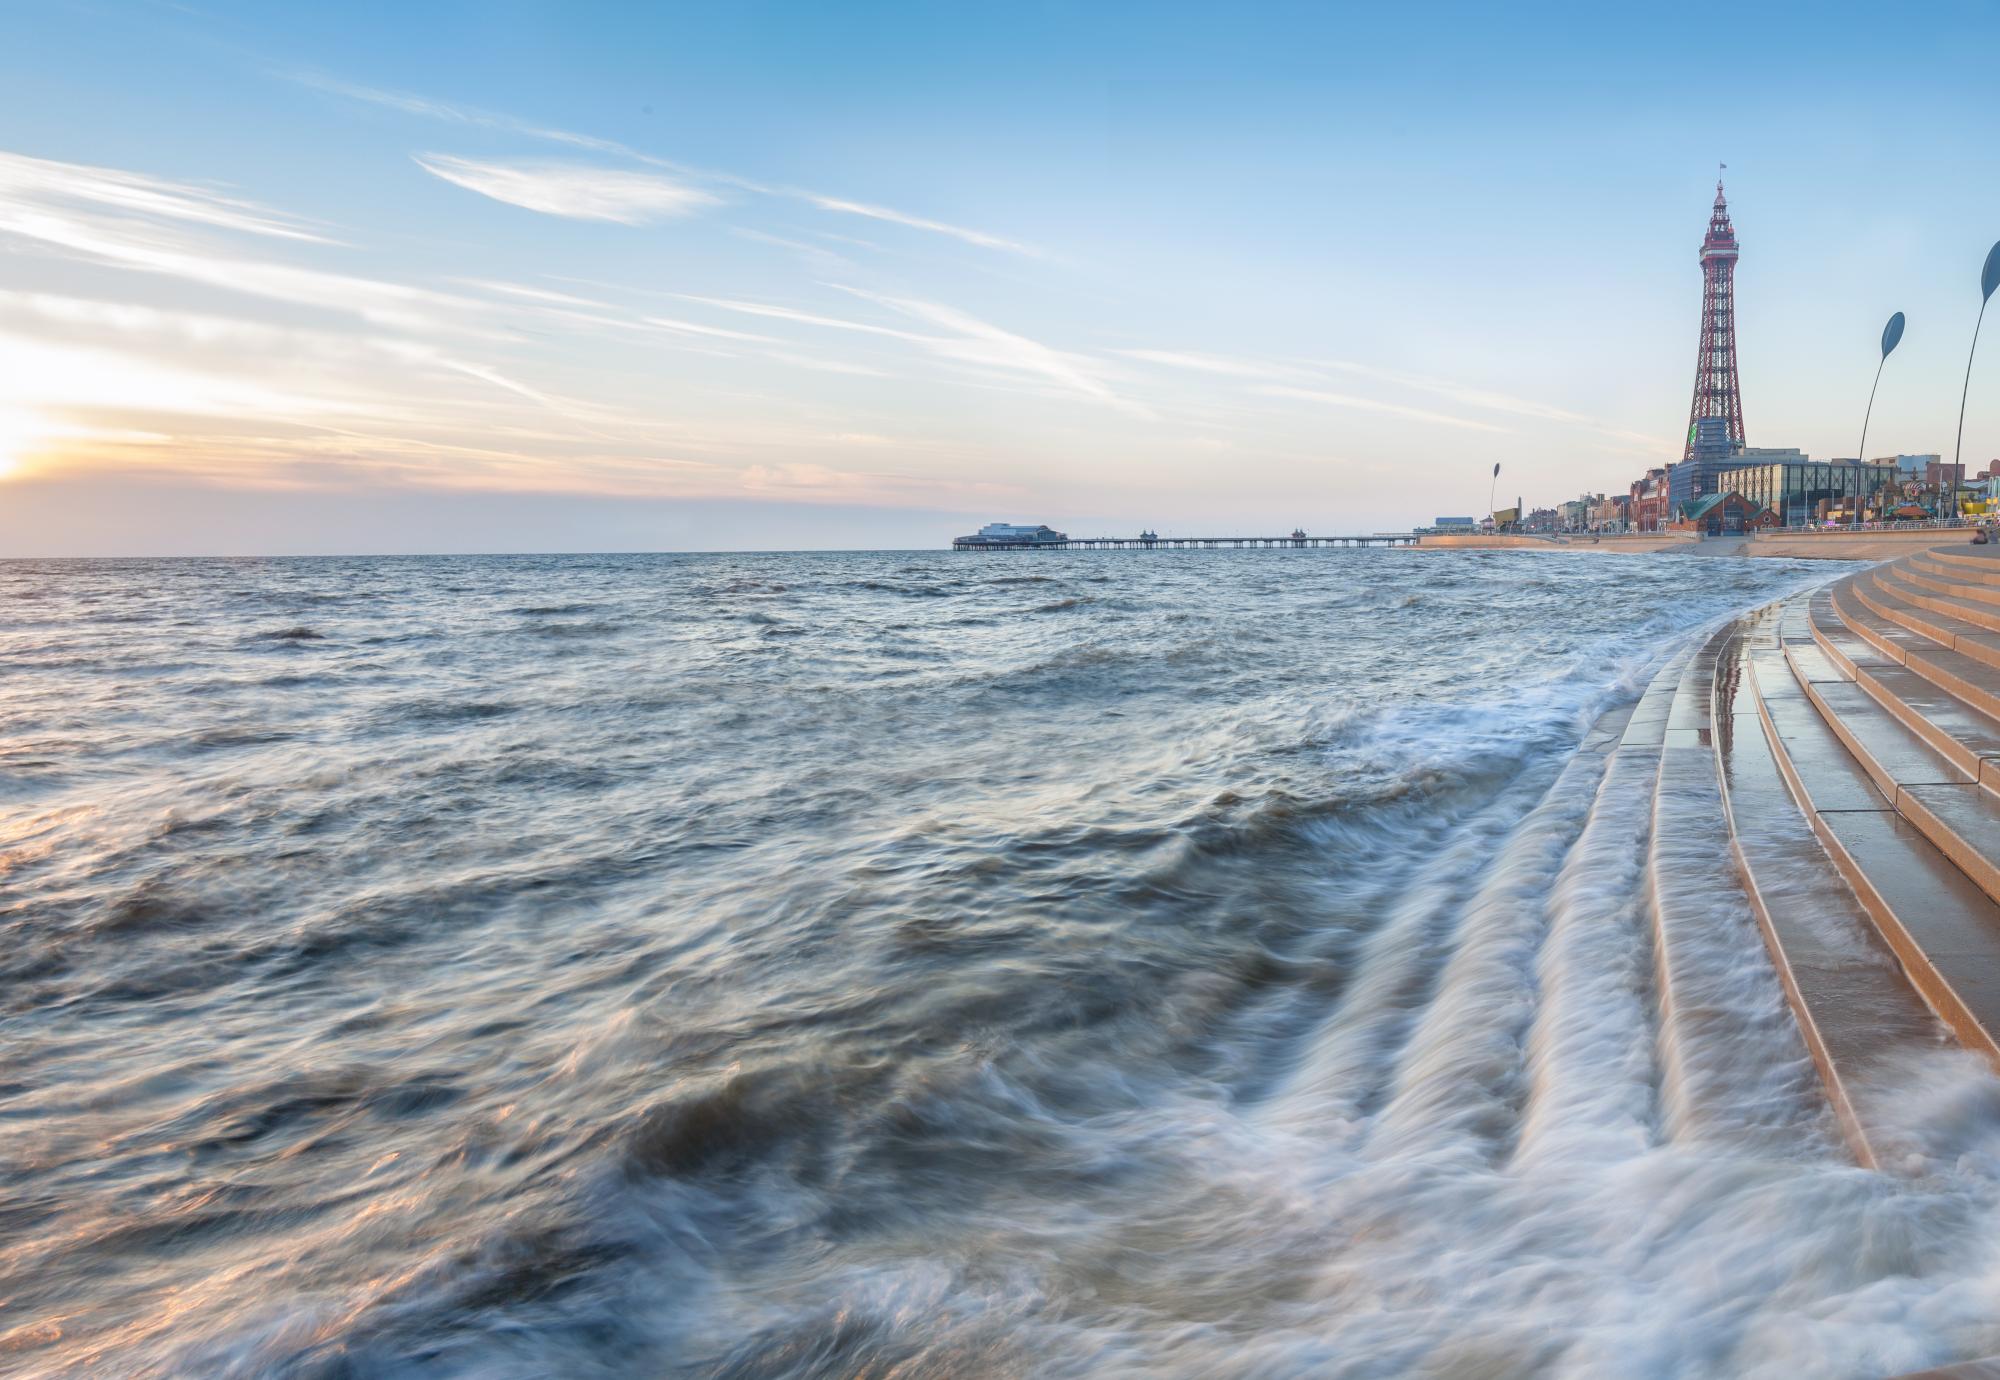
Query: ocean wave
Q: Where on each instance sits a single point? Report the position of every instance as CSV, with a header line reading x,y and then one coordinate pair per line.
x,y
1241,973
907,591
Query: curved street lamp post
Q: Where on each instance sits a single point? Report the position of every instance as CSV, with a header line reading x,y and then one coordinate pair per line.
x,y
1891,335
1989,279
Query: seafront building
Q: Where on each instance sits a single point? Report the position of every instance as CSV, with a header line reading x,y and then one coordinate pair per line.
x,y
1722,515
1011,535
1800,489
1646,504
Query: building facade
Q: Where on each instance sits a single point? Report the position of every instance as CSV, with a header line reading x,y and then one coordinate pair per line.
x,y
1796,486
1010,535
1646,504
1722,515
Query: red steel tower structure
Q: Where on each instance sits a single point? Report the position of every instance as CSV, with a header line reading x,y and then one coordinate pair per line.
x,y
1717,391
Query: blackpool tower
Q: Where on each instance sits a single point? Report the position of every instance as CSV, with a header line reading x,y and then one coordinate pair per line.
x,y
1717,392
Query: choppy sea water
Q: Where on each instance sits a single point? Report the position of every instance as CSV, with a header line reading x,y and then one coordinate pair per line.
x,y
903,965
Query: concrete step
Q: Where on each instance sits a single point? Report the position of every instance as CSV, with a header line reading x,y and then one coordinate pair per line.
x,y
1986,573
1938,918
1892,580
1966,554
1698,944
1942,928
1959,730
1912,572
1848,649
1877,721
1974,681
1891,640
1799,732
1860,1016
1964,736
1942,628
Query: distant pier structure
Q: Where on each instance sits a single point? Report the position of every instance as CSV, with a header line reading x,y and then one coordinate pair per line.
x,y
1007,536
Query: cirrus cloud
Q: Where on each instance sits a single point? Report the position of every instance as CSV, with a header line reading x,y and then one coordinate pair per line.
x,y
577,191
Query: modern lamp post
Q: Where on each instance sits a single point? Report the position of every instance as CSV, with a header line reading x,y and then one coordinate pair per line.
x,y
1989,279
1494,487
1891,334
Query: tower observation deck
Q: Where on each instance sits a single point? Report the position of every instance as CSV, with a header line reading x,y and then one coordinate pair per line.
x,y
1717,390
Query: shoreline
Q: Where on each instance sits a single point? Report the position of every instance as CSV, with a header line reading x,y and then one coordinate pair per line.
x,y
1876,545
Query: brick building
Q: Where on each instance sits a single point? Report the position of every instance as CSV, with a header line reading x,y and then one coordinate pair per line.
x,y
1723,514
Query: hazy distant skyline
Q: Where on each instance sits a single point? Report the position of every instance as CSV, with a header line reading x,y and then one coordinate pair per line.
x,y
511,277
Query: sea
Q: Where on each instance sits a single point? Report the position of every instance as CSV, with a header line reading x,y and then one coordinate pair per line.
x,y
906,965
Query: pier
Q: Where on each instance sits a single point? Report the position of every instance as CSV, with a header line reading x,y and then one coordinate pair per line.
x,y
1157,543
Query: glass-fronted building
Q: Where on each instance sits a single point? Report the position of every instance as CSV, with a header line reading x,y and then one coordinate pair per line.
x,y
1793,489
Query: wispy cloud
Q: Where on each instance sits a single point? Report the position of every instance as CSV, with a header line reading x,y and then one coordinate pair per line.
x,y
533,294
895,217
1223,365
1306,379
826,366
774,312
446,112
680,327
1344,400
822,259
390,304
471,116
1458,392
142,224
26,181
574,190
965,339
973,341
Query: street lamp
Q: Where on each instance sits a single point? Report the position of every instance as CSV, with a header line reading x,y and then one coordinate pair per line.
x,y
1989,279
1891,334
1494,487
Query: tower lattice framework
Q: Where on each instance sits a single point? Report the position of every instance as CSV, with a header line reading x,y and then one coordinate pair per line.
x,y
1717,390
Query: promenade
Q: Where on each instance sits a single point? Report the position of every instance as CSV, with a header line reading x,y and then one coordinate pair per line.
x,y
1864,544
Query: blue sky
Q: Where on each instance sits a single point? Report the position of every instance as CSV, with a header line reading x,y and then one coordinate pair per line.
x,y
503,277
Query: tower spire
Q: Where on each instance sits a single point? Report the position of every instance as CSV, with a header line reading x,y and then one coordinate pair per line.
x,y
1718,392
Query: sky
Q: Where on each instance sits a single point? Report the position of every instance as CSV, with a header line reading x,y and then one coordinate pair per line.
x,y
375,277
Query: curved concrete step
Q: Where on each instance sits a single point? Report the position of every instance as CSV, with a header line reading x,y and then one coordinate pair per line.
x,y
1860,1016
1904,738
1913,572
1848,649
1965,554
1941,924
1961,732
1974,681
1971,573
1894,580
1970,638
